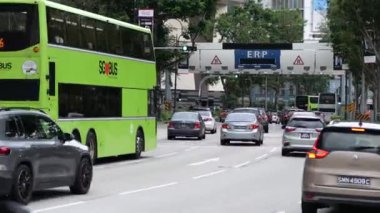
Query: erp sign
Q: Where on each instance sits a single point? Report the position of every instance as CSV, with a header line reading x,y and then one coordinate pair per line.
x,y
262,59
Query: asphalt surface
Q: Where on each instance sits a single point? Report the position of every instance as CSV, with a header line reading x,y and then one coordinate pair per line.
x,y
188,176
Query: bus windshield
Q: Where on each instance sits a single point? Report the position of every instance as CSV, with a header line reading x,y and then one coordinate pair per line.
x,y
18,26
302,102
327,99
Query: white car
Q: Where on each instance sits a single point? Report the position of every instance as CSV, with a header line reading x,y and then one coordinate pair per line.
x,y
209,121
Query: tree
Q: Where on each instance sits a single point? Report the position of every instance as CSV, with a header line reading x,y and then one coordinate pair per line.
x,y
355,31
254,24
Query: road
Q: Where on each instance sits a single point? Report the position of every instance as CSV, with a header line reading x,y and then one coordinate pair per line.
x,y
187,176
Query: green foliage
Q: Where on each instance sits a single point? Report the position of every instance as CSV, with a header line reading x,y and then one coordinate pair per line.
x,y
165,115
254,24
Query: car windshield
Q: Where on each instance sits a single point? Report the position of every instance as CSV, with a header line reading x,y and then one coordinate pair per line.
x,y
185,116
310,123
351,141
241,117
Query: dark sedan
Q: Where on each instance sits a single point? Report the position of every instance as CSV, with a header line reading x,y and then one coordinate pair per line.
x,y
35,154
186,124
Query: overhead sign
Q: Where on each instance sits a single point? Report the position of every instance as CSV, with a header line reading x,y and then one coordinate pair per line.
x,y
146,18
257,59
216,60
298,61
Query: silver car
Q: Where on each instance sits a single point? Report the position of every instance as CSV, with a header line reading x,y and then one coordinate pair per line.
x,y
241,127
301,132
35,154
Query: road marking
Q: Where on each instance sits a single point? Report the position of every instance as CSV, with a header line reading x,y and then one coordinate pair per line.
x,y
280,212
149,188
191,148
262,156
209,174
58,207
118,164
204,162
242,164
167,155
273,150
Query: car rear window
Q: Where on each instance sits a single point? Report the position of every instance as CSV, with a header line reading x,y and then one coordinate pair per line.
x,y
185,116
310,123
241,117
348,140
205,113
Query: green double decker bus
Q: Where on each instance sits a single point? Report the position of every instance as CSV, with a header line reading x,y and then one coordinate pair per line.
x,y
94,75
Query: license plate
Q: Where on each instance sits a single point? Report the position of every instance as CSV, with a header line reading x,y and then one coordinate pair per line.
x,y
305,135
361,181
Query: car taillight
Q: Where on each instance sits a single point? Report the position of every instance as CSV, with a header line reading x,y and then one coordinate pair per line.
x,y
5,150
170,125
316,153
225,126
318,129
197,125
253,126
290,129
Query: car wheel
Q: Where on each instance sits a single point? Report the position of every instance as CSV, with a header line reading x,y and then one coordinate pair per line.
x,y
22,184
139,144
204,135
309,207
92,145
83,177
170,137
213,131
284,152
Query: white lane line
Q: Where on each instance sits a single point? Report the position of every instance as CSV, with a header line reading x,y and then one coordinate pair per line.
x,y
149,188
209,174
280,212
262,156
58,207
204,162
273,150
242,164
118,164
167,155
191,148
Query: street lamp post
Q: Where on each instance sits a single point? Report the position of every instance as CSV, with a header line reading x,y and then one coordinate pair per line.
x,y
266,92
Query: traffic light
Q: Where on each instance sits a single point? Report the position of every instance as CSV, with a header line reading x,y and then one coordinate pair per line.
x,y
189,48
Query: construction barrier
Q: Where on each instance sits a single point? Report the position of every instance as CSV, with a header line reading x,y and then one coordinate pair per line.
x,y
349,107
364,117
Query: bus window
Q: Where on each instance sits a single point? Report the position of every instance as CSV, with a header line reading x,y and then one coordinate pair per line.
x,y
56,27
18,26
72,30
87,31
114,39
101,37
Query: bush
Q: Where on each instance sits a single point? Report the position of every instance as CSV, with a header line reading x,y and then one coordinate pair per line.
x,y
165,115
336,117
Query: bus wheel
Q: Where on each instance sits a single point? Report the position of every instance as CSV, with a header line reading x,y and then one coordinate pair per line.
x,y
139,142
76,135
91,143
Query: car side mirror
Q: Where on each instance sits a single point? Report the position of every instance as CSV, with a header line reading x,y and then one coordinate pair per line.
x,y
66,137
